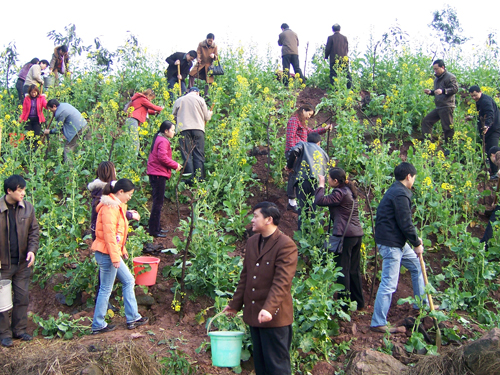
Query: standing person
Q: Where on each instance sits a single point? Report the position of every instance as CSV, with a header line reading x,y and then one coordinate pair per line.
x,y
191,114
141,103
73,124
308,161
445,88
159,170
185,60
297,131
34,75
264,290
22,77
59,63
488,124
109,248
340,203
289,42
393,228
337,48
33,106
207,52
18,246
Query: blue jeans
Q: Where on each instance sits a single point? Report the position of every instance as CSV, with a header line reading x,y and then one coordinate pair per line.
x,y
393,258
108,274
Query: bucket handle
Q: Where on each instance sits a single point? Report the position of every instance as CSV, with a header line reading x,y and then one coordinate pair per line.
x,y
238,315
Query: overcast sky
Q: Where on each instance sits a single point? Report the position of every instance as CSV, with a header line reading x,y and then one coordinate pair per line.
x,y
169,26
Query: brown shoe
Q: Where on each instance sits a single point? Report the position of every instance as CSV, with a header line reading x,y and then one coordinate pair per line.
x,y
385,329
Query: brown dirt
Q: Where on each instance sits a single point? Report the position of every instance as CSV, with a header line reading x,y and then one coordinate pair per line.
x,y
186,334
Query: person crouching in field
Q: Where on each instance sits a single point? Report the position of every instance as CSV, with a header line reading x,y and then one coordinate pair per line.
x,y
109,247
160,165
33,106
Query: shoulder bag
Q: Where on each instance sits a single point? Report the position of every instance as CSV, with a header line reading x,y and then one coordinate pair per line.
x,y
215,69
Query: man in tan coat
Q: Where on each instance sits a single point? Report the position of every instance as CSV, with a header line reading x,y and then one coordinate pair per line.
x,y
207,53
264,288
191,114
289,42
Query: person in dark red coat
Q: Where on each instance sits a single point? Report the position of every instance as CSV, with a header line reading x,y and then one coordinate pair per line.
x,y
160,165
33,106
142,107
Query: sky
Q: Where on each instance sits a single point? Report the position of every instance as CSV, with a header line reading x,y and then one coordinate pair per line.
x,y
166,27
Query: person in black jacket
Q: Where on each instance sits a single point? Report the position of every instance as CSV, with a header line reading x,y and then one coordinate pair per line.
x,y
340,203
185,60
308,161
488,123
393,228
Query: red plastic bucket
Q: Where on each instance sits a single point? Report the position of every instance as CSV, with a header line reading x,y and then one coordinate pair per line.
x,y
146,278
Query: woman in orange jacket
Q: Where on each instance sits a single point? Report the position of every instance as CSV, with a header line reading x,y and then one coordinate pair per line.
x,y
109,247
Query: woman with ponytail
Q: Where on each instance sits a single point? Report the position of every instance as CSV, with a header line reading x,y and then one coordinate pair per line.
x,y
340,203
109,248
160,165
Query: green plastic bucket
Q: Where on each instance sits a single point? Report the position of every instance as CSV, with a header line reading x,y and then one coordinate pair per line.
x,y
225,346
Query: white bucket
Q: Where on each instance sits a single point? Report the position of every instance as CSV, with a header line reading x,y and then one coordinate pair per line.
x,y
5,295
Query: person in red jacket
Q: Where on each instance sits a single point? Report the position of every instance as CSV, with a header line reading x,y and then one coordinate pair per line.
x,y
160,165
33,106
142,107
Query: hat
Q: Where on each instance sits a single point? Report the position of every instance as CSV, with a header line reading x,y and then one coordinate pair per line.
x,y
494,150
194,88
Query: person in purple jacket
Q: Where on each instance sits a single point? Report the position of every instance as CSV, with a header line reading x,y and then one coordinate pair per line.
x,y
160,165
21,77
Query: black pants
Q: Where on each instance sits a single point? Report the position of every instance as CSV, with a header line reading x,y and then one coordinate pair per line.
x,y
287,60
19,88
271,350
20,277
195,161
158,186
446,116
349,261
305,195
491,139
343,67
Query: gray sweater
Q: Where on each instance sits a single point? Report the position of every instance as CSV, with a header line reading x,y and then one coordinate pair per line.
x,y
71,119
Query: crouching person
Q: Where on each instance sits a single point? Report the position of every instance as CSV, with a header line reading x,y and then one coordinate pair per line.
x,y
18,245
264,290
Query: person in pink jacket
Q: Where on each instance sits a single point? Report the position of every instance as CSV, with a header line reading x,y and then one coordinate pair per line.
x,y
33,106
142,107
160,165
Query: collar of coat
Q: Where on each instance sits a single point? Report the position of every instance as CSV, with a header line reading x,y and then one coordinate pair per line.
x,y
273,239
3,204
96,184
111,201
205,44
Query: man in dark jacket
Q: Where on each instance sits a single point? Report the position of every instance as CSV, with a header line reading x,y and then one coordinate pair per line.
x,y
337,49
18,245
308,160
289,52
445,88
185,60
488,123
264,288
393,228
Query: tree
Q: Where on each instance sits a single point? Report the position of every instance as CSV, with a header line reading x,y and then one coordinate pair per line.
x,y
8,59
70,39
447,26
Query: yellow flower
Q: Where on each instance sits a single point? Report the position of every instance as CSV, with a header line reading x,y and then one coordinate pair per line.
x,y
266,90
427,182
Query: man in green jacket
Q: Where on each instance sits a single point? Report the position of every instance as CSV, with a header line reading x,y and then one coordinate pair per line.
x,y
18,245
445,88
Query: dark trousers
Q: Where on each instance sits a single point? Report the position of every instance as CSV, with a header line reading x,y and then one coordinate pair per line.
x,y
287,60
33,125
349,261
446,117
305,195
292,180
195,160
20,277
490,140
158,187
343,67
19,88
172,81
271,350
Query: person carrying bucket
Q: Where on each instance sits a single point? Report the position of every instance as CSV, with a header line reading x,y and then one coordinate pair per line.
x,y
264,288
19,236
109,247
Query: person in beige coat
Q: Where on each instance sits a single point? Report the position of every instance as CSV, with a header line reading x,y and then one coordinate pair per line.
x,y
207,53
191,114
264,290
289,42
